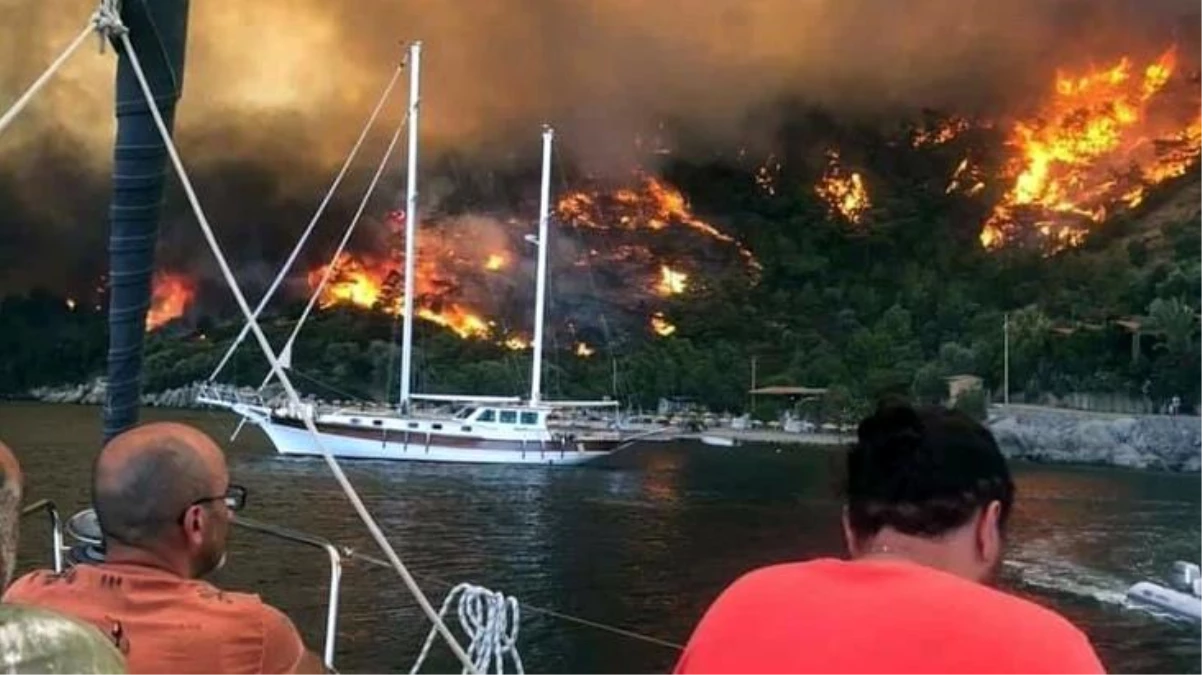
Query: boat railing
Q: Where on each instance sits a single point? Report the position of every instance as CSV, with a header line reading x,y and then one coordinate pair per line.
x,y
84,528
56,528
229,396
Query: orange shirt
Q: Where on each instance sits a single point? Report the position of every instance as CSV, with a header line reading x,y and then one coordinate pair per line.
x,y
163,623
879,616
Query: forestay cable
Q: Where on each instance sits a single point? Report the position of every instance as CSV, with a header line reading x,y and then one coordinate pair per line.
x,y
118,31
304,238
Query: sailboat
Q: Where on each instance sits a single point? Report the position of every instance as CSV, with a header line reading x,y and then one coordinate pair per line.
x,y
492,430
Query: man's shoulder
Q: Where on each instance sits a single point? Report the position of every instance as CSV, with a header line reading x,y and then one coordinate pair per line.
x,y
36,583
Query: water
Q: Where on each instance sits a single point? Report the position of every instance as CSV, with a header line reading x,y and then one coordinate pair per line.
x,y
644,544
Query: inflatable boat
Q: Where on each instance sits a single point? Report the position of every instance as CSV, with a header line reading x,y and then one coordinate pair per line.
x,y
1183,598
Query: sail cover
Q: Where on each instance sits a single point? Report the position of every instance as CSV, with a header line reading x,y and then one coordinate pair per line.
x,y
158,30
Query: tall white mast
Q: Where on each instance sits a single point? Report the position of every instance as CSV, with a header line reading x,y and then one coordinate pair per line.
x,y
540,297
411,220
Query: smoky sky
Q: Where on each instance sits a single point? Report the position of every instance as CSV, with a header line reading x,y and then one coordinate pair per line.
x,y
276,91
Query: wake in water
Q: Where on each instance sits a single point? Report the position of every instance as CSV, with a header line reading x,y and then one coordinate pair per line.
x,y
1037,566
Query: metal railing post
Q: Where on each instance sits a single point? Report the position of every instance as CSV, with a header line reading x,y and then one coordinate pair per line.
x,y
335,557
56,528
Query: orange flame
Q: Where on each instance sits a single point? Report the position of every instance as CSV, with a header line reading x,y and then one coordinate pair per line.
x,y
584,351
765,176
516,343
661,326
462,322
967,178
653,205
671,282
170,296
375,284
844,193
494,262
939,133
1074,159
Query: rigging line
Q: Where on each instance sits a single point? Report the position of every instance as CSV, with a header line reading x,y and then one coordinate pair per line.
x,y
323,385
372,560
37,85
346,237
117,29
321,209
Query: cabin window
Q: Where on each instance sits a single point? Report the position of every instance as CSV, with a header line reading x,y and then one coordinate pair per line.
x,y
413,425
378,423
436,426
467,429
354,420
529,418
465,413
489,415
509,417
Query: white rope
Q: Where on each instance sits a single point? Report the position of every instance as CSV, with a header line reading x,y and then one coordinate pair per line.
x,y
19,105
372,527
300,243
346,237
490,620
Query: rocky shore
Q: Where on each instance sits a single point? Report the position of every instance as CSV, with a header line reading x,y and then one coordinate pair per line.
x,y
1172,443
92,393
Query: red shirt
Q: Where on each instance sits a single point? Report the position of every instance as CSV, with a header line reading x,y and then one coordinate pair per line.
x,y
163,623
879,616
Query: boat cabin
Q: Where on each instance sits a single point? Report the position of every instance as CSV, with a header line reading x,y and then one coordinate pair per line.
x,y
518,418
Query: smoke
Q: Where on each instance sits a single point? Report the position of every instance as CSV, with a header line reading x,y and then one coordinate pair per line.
x,y
276,90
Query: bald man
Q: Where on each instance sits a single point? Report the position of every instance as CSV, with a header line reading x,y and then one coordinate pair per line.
x,y
164,501
34,640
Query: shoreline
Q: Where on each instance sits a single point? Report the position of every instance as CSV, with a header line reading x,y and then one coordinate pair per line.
x,y
1031,433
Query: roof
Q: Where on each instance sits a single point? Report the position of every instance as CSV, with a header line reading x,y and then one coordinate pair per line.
x,y
788,391
963,378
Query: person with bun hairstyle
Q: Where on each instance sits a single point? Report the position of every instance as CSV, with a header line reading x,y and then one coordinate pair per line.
x,y
928,496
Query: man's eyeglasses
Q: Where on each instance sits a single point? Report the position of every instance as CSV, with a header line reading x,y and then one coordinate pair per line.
x,y
234,498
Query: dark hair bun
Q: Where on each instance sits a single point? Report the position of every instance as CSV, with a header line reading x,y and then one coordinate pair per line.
x,y
891,435
922,471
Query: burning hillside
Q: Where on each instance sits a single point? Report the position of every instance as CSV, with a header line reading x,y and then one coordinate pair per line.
x,y
1101,139
637,244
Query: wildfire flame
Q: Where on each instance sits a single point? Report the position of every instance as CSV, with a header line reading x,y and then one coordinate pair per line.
x,y
844,193
766,175
584,351
939,132
671,282
967,178
516,343
1088,152
495,261
169,298
652,205
661,326
377,284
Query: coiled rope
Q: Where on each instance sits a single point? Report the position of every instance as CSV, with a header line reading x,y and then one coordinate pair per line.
x,y
490,620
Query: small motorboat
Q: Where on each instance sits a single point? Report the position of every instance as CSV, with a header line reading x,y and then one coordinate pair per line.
x,y
1182,598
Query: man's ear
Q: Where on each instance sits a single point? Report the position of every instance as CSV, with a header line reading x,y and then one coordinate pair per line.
x,y
989,533
849,536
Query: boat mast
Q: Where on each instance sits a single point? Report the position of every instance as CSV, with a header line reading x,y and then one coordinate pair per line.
x,y
540,299
411,219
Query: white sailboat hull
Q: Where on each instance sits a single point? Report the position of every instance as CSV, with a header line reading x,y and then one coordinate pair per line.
x,y
292,441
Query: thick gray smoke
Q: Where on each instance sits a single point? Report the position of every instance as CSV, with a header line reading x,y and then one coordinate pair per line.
x,y
276,91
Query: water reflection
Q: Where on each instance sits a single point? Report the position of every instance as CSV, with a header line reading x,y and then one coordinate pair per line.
x,y
645,543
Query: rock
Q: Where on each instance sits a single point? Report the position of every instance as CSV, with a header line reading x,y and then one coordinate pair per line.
x,y
1057,435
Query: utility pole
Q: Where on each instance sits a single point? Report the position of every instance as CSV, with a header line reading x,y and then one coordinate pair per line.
x,y
1006,358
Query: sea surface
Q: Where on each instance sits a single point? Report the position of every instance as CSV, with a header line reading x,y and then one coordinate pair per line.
x,y
642,544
